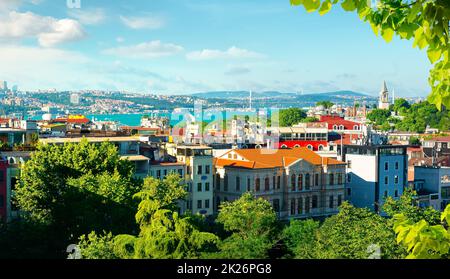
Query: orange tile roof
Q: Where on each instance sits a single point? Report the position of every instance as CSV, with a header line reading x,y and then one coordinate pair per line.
x,y
259,159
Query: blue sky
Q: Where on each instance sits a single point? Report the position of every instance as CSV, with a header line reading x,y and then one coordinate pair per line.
x,y
186,46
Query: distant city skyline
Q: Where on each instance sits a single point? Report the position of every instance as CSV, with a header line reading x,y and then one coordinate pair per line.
x,y
190,46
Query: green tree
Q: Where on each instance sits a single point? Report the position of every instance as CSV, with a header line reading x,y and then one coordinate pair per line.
x,y
424,21
352,233
74,188
252,224
379,116
291,116
325,104
164,234
300,237
401,105
422,239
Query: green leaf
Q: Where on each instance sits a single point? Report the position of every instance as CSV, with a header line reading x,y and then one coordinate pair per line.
x,y
325,8
387,34
375,28
311,5
348,5
296,2
434,55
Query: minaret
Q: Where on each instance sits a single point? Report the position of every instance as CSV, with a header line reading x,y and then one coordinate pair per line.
x,y
393,96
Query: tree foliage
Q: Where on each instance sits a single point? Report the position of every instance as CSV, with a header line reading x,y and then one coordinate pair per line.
x,y
291,116
252,224
426,22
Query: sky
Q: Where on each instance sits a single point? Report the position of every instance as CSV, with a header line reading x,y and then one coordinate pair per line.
x,y
188,46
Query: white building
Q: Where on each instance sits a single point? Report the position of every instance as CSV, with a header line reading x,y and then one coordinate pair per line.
x,y
375,172
75,99
433,186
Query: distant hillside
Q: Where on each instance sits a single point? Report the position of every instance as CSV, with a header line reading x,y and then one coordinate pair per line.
x,y
276,94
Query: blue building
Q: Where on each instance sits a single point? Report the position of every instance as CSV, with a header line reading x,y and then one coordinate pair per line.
x,y
375,172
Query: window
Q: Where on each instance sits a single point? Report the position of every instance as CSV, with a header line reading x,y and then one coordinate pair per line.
x,y
276,205
339,200
218,182
238,184
307,181
341,127
165,173
292,206
396,179
180,172
158,174
355,127
206,203
300,182
386,166
199,187
396,165
320,147
278,182
307,204
300,205
396,193
331,202
314,201
331,179
335,127
199,204
310,147
339,178
225,183
349,177
316,179
349,191
257,184
267,184
274,182
349,164
293,182
386,180
199,169
248,184
206,186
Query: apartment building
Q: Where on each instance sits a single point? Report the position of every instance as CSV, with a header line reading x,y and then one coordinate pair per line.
x,y
375,172
297,182
432,184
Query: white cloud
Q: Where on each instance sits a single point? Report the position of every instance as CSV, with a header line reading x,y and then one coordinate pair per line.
x,y
48,30
144,22
231,53
120,39
88,16
152,49
237,70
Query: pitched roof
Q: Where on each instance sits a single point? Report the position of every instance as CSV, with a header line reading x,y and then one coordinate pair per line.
x,y
272,158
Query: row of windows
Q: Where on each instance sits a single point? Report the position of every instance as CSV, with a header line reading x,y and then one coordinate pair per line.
x,y
307,181
386,179
200,204
341,127
300,205
309,146
163,173
200,169
395,193
386,165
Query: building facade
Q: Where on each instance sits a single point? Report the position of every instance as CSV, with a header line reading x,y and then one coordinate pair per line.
x,y
375,172
297,182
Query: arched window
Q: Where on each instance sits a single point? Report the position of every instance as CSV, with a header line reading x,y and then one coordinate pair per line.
x,y
335,127
307,181
307,204
314,201
300,182
356,127
300,205
331,179
274,182
12,161
284,146
257,184
238,184
293,182
339,178
258,146
218,182
341,127
320,147
267,184
310,147
297,146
